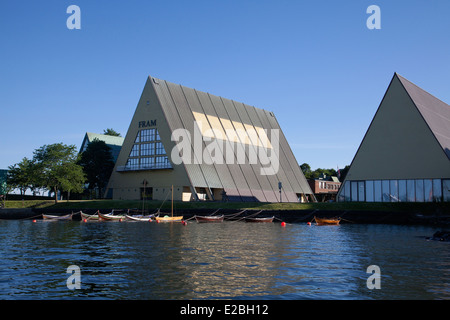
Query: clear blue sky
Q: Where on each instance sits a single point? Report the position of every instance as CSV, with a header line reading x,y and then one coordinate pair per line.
x,y
315,64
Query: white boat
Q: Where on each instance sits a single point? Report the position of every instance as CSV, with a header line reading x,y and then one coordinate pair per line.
x,y
55,217
140,218
85,216
111,217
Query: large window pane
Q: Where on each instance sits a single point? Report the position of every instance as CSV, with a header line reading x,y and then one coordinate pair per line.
x,y
347,191
428,189
419,190
354,186
377,190
369,191
393,190
411,190
361,191
402,191
446,189
385,190
437,190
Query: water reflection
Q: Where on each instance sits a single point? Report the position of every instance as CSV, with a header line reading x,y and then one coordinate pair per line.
x,y
228,260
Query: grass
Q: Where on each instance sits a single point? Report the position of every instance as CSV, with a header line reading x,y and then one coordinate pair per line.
x,y
129,204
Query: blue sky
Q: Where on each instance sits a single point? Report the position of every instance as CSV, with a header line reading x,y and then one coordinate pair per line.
x,y
315,64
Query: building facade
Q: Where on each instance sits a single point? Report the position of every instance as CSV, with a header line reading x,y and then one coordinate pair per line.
x,y
325,188
207,147
405,153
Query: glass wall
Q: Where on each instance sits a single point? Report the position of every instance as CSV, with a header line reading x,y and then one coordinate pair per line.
x,y
411,190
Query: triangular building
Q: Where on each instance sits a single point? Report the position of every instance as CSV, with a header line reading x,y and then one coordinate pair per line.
x,y
207,147
405,154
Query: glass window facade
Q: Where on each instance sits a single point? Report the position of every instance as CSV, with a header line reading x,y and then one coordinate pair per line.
x,y
147,153
393,190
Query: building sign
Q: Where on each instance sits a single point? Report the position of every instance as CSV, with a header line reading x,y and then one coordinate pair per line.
x,y
148,123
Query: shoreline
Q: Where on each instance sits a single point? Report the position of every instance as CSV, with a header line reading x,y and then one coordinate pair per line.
x,y
288,216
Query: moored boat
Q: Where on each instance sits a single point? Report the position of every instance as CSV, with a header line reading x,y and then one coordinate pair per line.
x,y
86,216
166,218
111,217
55,217
140,218
327,221
267,219
209,218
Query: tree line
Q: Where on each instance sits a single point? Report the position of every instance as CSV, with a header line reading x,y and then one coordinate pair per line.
x,y
315,174
60,168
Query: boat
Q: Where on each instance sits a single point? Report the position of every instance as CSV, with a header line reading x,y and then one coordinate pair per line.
x,y
166,218
55,217
86,216
209,218
267,219
140,218
110,217
327,221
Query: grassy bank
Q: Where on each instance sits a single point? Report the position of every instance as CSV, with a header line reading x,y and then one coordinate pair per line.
x,y
443,208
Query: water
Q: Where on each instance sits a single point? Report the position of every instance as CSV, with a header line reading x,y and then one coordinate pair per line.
x,y
231,260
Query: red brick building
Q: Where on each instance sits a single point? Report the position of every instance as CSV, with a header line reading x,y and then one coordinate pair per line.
x,y
325,188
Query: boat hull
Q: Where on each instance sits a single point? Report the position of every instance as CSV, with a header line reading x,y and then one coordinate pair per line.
x,y
269,219
327,221
203,219
110,217
54,217
139,218
169,219
85,216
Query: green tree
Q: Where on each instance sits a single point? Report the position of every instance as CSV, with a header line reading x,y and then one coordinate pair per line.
x,y
306,169
22,176
111,132
57,168
97,163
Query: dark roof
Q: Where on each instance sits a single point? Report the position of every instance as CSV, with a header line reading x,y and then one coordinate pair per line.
x,y
435,112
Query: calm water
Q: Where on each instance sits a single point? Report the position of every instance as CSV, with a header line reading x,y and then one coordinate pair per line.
x,y
232,260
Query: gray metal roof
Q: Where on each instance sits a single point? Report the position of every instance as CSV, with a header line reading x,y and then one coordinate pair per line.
x,y
244,180
435,112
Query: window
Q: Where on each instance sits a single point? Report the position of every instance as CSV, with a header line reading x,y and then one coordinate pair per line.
x,y
419,191
393,186
402,196
354,190
437,190
410,190
369,191
148,149
148,135
160,148
377,191
385,189
428,190
446,189
135,151
361,191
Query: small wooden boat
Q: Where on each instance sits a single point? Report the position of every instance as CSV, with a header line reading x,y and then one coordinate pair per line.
x,y
327,221
54,217
209,218
140,218
110,217
85,216
166,218
268,219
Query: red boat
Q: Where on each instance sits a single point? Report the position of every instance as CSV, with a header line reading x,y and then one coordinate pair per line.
x,y
268,219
